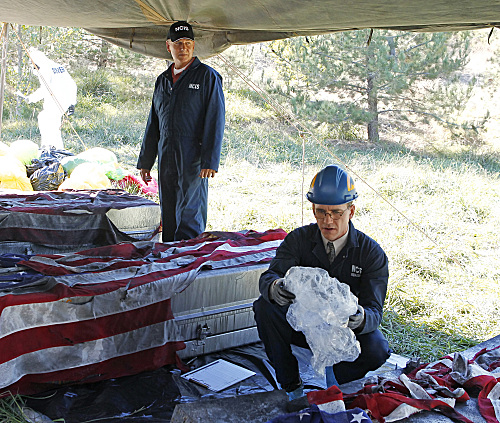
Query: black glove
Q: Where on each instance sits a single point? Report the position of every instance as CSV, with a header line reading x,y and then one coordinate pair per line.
x,y
71,110
357,320
279,294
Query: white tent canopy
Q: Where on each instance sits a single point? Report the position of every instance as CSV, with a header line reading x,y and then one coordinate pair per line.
x,y
141,25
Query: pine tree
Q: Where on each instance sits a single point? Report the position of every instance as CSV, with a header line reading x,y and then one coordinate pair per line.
x,y
357,76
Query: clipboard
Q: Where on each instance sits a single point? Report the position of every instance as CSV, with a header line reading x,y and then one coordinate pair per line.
x,y
218,375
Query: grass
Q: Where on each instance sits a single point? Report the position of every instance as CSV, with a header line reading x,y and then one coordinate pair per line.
x,y
440,238
13,410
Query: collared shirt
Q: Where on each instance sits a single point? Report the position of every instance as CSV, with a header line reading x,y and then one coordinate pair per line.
x,y
176,73
338,244
362,264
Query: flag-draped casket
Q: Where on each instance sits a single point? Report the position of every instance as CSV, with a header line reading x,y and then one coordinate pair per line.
x,y
107,311
52,221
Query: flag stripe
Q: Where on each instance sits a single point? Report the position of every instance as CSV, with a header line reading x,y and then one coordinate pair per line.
x,y
63,203
49,334
107,295
91,352
72,231
133,363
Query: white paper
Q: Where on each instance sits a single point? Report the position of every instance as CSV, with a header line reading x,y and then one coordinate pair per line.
x,y
218,375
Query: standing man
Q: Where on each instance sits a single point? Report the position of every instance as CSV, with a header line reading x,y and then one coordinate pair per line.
x,y
185,130
333,244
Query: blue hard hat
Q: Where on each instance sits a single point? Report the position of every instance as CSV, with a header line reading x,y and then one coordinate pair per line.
x,y
332,186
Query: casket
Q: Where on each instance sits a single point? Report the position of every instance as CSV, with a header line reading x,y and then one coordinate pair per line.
x,y
126,308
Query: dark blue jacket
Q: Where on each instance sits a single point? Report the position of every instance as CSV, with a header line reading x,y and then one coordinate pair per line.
x,y
177,126
361,264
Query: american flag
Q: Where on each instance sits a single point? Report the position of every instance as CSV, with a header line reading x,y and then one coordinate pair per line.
x,y
436,386
105,312
70,219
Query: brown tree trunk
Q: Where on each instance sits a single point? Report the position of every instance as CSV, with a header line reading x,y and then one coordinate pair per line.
x,y
102,60
373,135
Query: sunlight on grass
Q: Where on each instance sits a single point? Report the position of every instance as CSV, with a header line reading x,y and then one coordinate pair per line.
x,y
242,196
244,109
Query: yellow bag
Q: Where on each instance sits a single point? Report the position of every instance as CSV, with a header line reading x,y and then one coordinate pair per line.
x,y
22,184
25,151
86,176
99,155
13,174
106,158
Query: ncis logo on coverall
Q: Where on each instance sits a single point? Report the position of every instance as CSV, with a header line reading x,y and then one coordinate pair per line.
x,y
356,271
194,86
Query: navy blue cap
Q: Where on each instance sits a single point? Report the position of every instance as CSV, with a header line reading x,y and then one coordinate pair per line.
x,y
180,29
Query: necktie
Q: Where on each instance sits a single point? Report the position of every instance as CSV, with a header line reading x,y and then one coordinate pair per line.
x,y
331,251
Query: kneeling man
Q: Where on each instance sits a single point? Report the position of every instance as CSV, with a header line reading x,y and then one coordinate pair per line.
x,y
350,256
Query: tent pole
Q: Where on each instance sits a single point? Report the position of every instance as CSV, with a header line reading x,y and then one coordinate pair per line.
x,y
5,37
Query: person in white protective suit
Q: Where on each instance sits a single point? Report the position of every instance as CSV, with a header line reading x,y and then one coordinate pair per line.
x,y
58,92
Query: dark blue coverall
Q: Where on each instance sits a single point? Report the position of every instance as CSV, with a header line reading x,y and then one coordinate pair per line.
x,y
361,264
185,130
